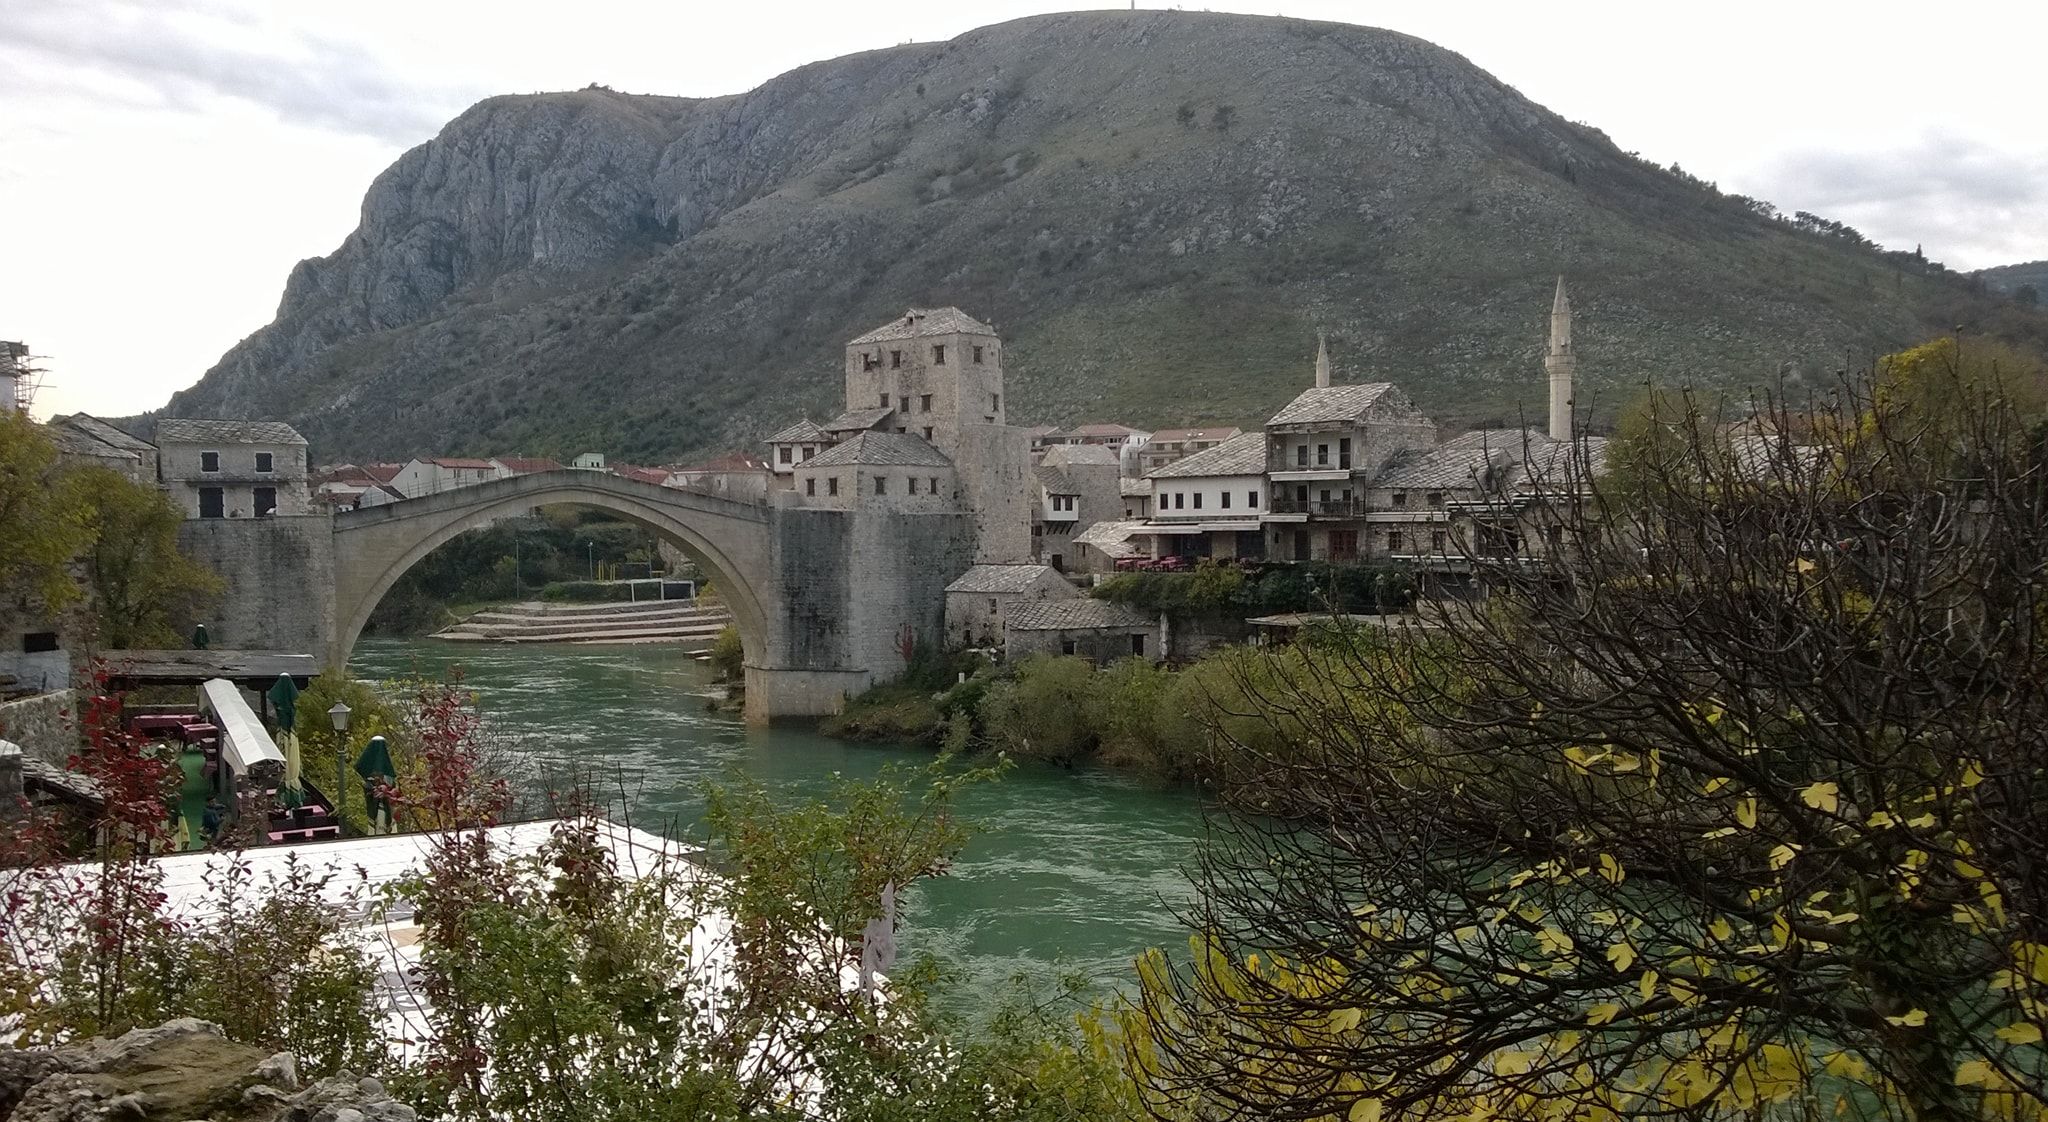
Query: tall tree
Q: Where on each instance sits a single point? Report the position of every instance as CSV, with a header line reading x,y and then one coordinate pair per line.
x,y
44,522
1740,809
145,592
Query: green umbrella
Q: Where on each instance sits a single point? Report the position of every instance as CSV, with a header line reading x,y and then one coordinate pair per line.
x,y
284,701
375,766
193,787
199,639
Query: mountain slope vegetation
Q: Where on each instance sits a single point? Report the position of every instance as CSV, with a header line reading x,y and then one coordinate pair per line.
x,y
1158,210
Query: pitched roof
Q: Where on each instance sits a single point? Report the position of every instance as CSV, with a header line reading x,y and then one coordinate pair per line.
x,y
1054,480
464,462
804,431
1461,461
855,420
1036,432
884,449
1067,455
656,476
989,580
521,465
382,473
730,462
1243,454
1104,428
1182,436
1075,615
1131,488
1331,403
78,442
191,430
917,322
105,433
1113,539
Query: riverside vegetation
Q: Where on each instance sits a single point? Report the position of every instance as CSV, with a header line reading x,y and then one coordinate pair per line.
x,y
1738,814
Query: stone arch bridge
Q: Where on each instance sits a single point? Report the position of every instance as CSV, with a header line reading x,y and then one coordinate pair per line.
x,y
823,598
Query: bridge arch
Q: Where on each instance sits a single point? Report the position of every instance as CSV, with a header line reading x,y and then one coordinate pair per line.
x,y
375,546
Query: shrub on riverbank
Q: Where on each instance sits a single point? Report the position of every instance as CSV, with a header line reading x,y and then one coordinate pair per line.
x,y
1213,588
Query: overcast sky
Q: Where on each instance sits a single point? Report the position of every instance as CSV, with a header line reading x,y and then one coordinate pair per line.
x,y
164,163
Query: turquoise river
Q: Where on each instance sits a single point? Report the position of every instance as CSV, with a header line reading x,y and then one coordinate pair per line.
x,y
1074,870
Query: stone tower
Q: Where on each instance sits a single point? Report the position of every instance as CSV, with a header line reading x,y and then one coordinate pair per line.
x,y
940,373
1561,362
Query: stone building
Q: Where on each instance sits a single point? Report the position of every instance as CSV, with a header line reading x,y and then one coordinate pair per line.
x,y
1094,629
85,438
1168,445
794,445
980,601
1211,503
1078,486
879,471
233,469
431,475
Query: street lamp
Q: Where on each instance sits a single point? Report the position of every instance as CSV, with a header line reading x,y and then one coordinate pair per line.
x,y
338,716
590,555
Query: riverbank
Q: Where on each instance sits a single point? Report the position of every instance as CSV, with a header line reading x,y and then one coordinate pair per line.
x,y
693,625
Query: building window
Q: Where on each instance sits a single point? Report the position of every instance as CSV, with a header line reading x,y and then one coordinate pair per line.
x,y
1436,541
895,360
809,451
785,454
265,462
924,403
927,432
209,461
810,486
881,485
1198,500
885,401
1301,456
871,362
1344,452
266,501
977,354
1343,545
1394,541
832,485
1400,499
1066,646
212,503
1322,455
1251,499
938,354
1138,645
1180,499
913,485
903,403
38,642
935,484
1326,496
1226,500
1436,499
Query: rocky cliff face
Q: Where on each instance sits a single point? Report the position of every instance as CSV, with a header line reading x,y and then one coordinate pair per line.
x,y
1158,209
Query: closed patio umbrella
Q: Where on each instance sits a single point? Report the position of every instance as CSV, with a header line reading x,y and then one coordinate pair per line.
x,y
199,639
378,773
284,701
193,787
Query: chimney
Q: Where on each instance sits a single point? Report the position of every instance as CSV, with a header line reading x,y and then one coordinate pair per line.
x,y
1322,363
1560,362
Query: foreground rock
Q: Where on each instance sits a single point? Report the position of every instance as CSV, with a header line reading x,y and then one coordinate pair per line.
x,y
182,1070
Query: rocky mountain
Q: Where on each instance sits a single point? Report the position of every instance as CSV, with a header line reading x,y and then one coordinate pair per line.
x,y
1158,209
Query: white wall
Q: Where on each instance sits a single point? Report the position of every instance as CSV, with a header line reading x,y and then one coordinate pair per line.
x,y
1211,489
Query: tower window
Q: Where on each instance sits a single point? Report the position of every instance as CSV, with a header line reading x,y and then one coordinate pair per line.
x,y
810,486
924,403
895,360
1400,499
266,501
209,461
903,403
995,403
870,362
885,401
832,485
913,485
927,432
265,462
977,354
881,485
938,354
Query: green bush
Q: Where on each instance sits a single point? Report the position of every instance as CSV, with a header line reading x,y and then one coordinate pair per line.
x,y
601,592
1217,589
1042,712
729,655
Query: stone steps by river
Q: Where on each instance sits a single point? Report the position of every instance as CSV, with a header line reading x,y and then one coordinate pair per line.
x,y
693,624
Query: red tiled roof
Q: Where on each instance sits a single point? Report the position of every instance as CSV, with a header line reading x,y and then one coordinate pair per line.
x,y
656,476
382,473
519,465
457,462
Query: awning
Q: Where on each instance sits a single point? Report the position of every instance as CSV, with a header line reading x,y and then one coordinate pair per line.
x,y
243,742
252,670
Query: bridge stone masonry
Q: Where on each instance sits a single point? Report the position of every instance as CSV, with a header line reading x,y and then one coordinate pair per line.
x,y
831,576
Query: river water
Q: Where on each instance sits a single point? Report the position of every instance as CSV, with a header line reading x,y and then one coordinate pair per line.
x,y
1074,870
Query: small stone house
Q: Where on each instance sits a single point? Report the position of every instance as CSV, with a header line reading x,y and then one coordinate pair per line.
x,y
879,470
233,469
1094,629
980,601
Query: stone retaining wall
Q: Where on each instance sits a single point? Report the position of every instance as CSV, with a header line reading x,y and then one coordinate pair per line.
x,y
46,725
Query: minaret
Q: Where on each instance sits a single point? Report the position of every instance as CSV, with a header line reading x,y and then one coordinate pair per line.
x,y
1560,363
1322,363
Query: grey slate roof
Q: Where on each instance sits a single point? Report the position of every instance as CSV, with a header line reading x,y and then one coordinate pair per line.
x,y
992,580
1331,403
880,449
1131,488
855,420
918,322
1061,455
105,433
1075,615
1055,481
1113,539
1243,454
185,430
803,432
1182,436
1458,462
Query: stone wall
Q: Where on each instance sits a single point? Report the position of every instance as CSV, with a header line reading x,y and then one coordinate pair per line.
x,y
1190,637
280,580
46,725
1103,644
998,485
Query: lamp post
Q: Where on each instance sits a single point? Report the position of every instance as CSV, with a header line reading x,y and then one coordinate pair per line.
x,y
338,716
590,555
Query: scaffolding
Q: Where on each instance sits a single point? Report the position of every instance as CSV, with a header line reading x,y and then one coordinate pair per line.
x,y
20,377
